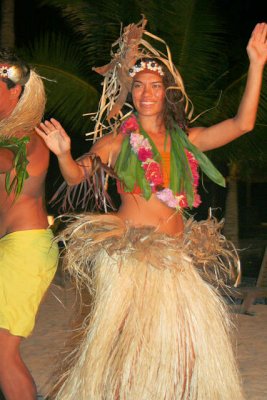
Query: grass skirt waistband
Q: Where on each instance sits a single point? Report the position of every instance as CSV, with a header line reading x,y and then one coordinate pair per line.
x,y
157,329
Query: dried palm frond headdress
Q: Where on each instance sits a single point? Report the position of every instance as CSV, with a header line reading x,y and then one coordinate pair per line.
x,y
27,113
30,108
125,51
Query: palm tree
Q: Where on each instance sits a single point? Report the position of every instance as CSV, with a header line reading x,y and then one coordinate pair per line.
x,y
7,32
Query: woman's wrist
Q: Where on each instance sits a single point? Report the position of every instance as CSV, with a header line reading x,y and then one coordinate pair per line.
x,y
66,155
257,65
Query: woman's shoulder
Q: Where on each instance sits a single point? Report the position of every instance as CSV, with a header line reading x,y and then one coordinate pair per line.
x,y
110,139
195,136
107,145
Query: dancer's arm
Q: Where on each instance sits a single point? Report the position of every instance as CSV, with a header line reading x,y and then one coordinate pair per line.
x,y
59,143
224,132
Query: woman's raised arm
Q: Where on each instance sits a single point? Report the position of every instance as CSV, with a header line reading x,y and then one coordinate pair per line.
x,y
224,132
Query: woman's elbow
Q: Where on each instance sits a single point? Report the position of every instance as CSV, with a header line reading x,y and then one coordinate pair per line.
x,y
75,179
245,126
74,182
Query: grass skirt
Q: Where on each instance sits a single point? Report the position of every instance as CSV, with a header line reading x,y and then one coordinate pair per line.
x,y
157,329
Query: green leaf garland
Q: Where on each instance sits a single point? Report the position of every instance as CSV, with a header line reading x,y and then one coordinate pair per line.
x,y
20,162
131,173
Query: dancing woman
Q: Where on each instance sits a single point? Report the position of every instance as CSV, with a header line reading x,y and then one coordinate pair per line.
x,y
158,329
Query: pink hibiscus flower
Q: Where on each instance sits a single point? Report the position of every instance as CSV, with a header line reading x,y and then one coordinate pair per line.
x,y
144,154
130,125
153,173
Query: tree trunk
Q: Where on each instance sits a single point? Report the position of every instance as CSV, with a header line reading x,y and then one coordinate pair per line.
x,y
231,230
7,38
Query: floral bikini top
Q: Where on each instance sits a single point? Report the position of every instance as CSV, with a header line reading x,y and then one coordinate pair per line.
x,y
173,177
165,170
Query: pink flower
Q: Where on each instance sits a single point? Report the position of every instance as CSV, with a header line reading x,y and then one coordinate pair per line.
x,y
183,201
142,147
136,141
146,144
166,196
197,200
153,173
130,125
194,167
144,154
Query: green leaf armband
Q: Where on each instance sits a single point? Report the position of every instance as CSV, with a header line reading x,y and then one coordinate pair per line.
x,y
20,162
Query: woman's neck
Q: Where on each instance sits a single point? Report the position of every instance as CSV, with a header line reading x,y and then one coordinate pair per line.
x,y
153,125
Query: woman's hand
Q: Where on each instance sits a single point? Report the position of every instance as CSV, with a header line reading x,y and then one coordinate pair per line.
x,y
257,45
54,137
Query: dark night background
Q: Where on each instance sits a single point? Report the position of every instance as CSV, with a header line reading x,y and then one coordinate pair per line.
x,y
31,21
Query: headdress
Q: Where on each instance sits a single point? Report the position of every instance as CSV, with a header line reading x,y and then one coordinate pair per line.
x,y
142,65
15,73
29,110
125,51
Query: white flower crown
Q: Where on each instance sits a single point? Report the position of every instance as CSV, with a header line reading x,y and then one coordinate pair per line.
x,y
142,65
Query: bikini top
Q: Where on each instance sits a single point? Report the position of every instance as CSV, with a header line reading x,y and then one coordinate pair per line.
x,y
165,162
165,158
173,176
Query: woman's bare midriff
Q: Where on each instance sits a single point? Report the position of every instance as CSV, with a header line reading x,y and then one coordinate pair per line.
x,y
140,212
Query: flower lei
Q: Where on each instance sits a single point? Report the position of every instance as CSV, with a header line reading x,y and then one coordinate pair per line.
x,y
153,174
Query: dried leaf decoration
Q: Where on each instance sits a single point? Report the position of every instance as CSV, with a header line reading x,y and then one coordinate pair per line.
x,y
125,51
123,59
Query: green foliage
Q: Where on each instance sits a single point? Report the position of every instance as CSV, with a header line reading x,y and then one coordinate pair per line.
x,y
69,91
20,162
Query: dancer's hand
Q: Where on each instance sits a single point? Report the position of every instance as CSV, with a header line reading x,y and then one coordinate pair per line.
x,y
257,45
54,136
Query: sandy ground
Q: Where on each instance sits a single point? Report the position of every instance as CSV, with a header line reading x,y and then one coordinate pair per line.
x,y
47,341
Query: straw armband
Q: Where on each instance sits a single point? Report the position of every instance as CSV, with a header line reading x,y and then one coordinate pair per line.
x,y
91,193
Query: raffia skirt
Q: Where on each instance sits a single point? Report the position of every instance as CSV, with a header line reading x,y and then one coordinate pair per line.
x,y
157,330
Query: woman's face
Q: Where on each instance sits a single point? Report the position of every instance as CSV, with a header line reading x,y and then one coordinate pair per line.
x,y
8,99
148,93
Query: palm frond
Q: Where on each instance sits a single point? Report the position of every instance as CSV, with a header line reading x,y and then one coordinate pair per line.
x,y
66,77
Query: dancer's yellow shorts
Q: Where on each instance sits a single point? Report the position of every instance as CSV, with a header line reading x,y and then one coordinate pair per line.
x,y
28,261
